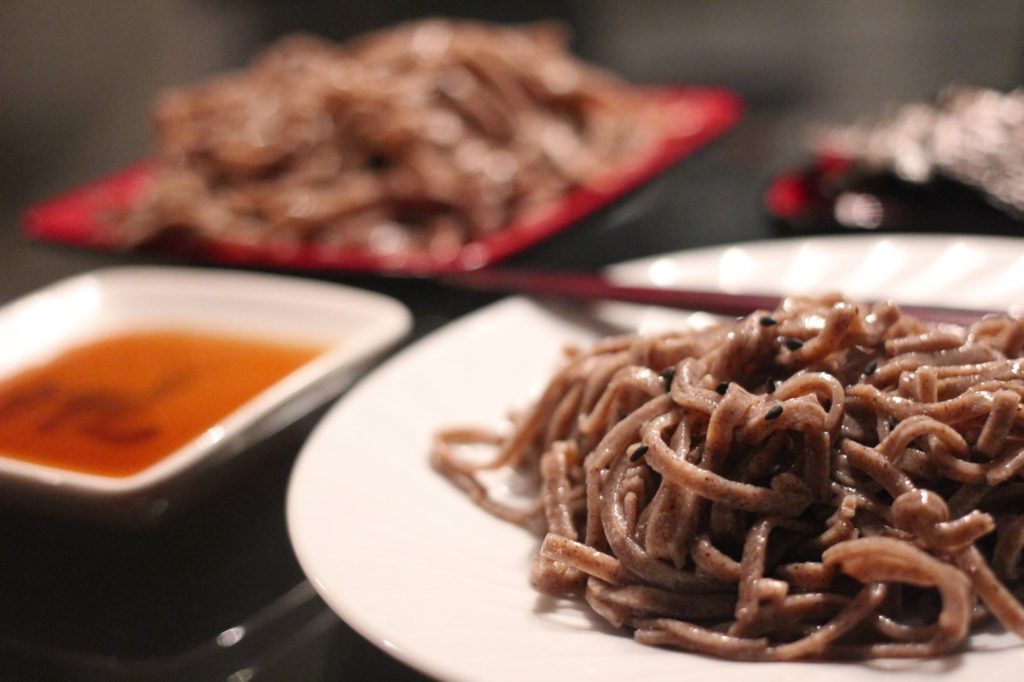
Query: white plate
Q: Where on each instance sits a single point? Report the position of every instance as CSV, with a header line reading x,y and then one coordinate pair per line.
x,y
427,576
352,325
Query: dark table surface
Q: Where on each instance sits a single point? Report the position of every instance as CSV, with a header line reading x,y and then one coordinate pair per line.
x,y
215,593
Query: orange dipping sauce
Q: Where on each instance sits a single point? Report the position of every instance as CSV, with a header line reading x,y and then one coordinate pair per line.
x,y
115,406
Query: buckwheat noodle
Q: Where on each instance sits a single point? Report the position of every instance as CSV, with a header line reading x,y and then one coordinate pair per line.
x,y
422,136
827,480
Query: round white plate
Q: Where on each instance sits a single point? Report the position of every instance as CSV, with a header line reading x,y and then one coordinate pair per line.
x,y
423,573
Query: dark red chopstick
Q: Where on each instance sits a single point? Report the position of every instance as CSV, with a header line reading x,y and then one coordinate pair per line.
x,y
590,287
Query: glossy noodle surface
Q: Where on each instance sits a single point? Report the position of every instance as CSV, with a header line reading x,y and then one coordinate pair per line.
x,y
826,480
419,137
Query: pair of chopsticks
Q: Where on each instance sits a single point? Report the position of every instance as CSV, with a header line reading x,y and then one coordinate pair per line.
x,y
589,287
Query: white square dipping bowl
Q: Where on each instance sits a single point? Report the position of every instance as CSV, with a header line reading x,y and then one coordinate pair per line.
x,y
351,325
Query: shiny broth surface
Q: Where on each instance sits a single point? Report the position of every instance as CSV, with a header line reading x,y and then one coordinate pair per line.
x,y
115,406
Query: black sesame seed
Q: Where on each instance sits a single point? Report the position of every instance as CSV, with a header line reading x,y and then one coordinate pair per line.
x,y
378,162
774,413
767,321
722,388
871,368
638,453
794,344
770,386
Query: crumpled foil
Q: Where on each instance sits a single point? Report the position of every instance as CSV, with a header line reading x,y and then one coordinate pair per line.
x,y
969,134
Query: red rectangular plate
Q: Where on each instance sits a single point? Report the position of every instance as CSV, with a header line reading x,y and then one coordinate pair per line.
x,y
694,116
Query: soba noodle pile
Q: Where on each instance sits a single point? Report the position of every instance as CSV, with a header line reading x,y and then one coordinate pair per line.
x,y
828,480
422,136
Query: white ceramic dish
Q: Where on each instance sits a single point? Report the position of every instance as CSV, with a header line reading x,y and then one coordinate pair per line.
x,y
352,325
940,270
423,573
